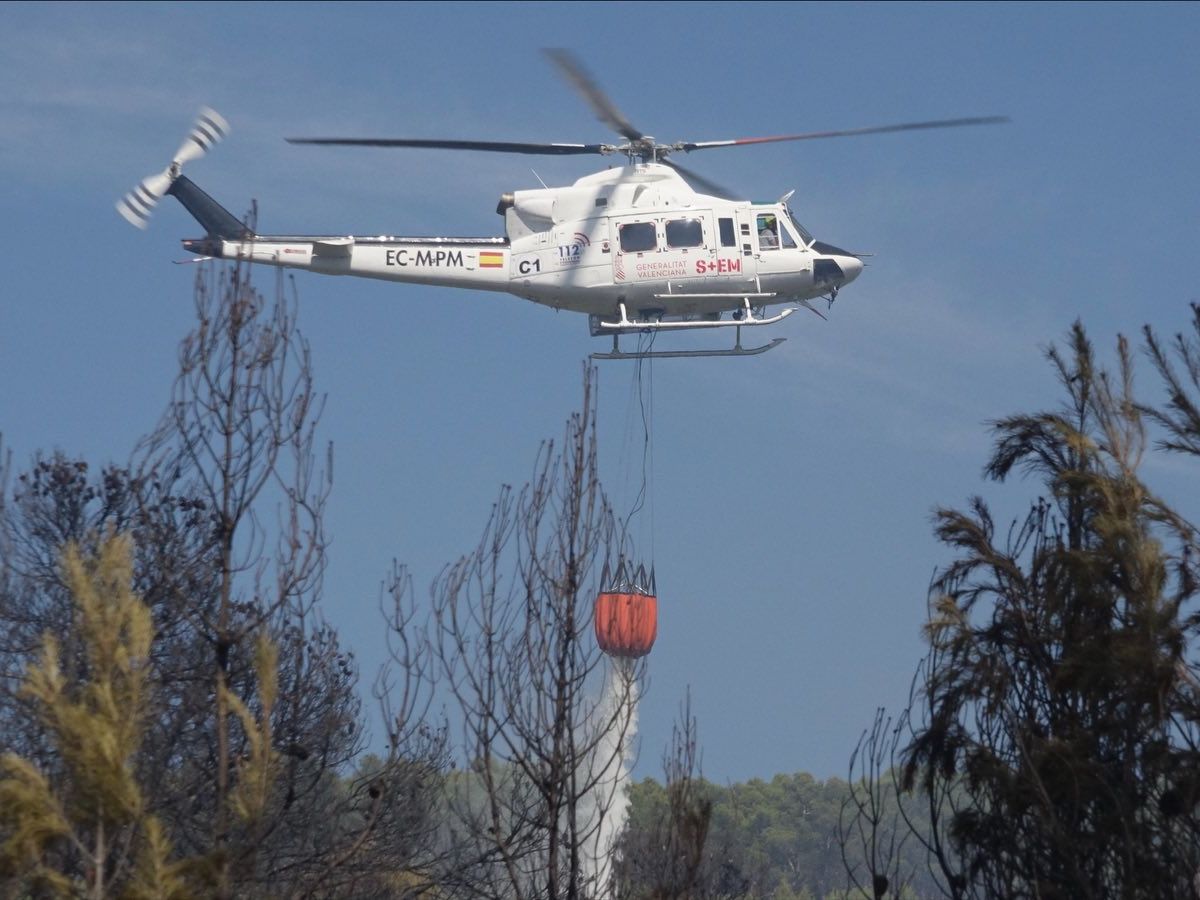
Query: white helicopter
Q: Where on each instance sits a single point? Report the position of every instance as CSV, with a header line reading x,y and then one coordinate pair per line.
x,y
637,248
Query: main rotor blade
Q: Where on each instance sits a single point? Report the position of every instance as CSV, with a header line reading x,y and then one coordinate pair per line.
x,y
575,73
689,146
490,146
706,185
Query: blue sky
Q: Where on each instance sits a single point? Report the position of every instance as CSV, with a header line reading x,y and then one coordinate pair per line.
x,y
793,491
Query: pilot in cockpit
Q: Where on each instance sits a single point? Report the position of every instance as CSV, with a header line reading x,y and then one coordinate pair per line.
x,y
768,233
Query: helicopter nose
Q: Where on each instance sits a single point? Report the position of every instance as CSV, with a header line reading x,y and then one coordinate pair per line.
x,y
851,267
841,266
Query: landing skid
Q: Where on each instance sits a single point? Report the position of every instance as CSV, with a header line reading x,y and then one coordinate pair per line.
x,y
746,317
736,350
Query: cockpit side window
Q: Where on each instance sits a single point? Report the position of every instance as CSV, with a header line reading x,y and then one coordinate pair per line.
x,y
768,232
805,237
638,237
785,237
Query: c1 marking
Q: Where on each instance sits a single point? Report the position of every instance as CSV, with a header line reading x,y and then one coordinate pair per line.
x,y
526,266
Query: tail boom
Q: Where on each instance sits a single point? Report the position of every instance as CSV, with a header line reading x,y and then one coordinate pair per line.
x,y
478,263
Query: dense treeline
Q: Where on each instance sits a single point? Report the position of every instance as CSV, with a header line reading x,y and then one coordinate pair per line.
x,y
776,839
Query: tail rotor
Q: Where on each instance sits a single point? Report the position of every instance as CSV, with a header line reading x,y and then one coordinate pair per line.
x,y
138,204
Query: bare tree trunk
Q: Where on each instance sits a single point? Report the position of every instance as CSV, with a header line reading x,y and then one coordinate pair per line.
x,y
511,639
872,824
240,431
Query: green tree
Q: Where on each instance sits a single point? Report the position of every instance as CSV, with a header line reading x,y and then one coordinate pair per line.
x,y
665,852
97,813
95,818
763,837
1055,730
97,728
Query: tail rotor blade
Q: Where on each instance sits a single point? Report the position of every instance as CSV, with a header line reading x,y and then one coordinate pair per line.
x,y
209,129
138,204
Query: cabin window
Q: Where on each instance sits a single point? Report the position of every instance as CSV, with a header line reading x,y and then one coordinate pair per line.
x,y
728,238
637,237
682,233
785,238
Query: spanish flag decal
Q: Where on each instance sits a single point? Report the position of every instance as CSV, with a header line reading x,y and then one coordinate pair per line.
x,y
489,260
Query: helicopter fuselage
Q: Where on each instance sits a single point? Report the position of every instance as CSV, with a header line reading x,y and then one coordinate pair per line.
x,y
636,248
635,241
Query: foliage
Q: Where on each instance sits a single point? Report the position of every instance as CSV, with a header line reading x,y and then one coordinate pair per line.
x,y
247,770
666,854
97,813
1054,733
776,838
1052,748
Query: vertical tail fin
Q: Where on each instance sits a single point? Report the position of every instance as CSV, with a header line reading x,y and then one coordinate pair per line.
x,y
218,222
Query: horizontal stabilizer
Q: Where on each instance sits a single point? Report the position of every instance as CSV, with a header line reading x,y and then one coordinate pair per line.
x,y
334,248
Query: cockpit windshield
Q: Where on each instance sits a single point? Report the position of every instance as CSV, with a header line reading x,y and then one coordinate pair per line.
x,y
800,229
